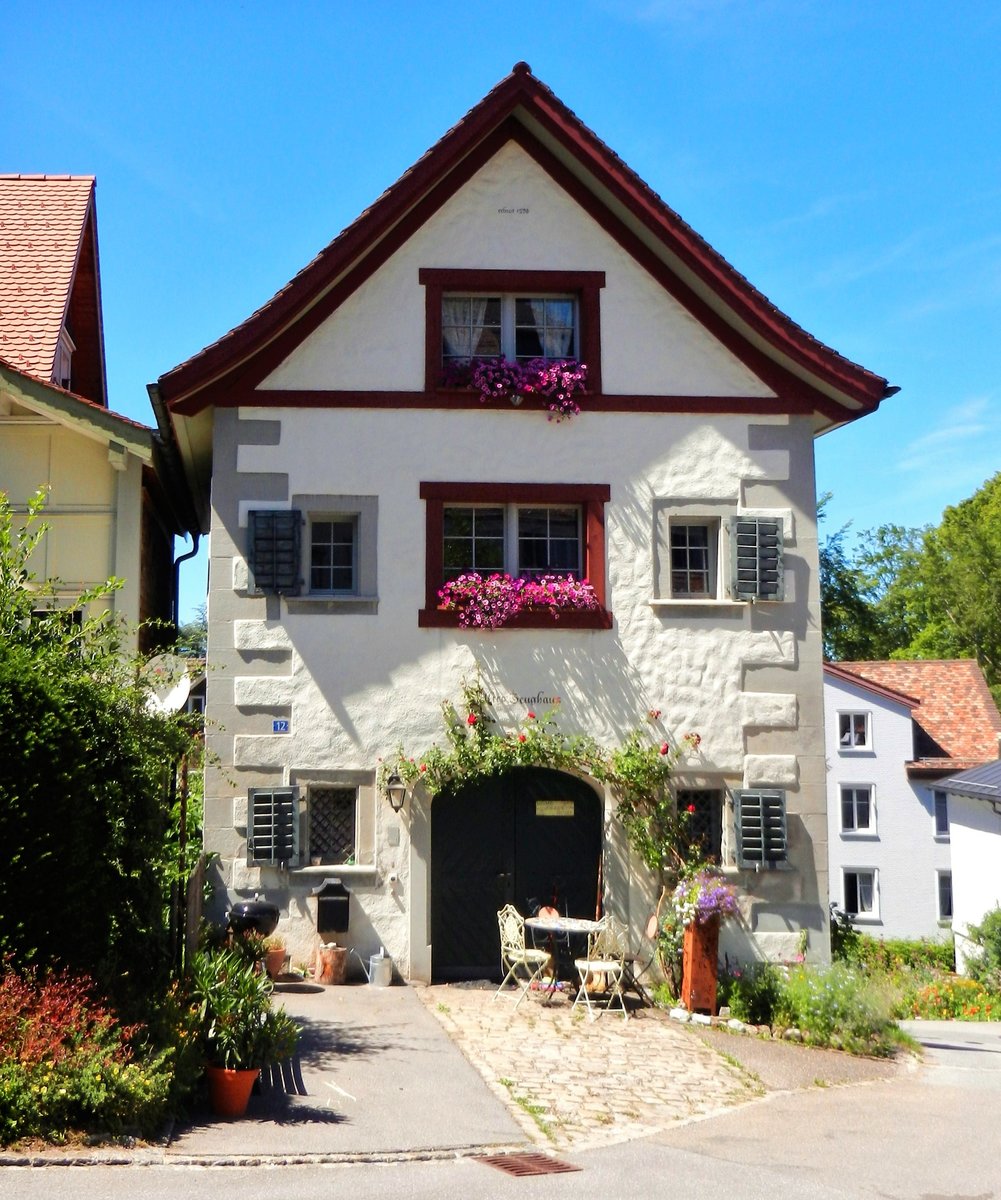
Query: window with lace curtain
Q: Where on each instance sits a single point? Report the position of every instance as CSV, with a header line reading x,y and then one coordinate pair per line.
x,y
518,328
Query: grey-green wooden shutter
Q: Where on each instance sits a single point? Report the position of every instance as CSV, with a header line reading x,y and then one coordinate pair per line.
x,y
273,827
761,827
275,537
756,571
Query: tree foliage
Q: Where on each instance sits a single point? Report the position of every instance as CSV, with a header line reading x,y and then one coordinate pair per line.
x,y
919,593
87,845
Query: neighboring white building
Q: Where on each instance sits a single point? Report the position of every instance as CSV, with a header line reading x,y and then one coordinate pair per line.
x,y
343,477
894,731
975,821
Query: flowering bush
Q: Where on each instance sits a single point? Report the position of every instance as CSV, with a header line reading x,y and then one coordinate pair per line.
x,y
487,603
557,382
954,998
66,1063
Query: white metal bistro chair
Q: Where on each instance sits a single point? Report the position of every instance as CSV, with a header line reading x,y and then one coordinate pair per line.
x,y
516,956
602,972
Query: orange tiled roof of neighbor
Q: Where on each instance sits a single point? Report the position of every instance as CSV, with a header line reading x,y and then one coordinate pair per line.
x,y
956,716
41,230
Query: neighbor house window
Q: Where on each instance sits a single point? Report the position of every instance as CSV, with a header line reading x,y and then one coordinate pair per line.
x,y
853,730
523,530
857,813
332,824
517,315
945,895
941,814
860,893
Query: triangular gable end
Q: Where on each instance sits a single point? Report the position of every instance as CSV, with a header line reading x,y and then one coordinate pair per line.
x,y
801,373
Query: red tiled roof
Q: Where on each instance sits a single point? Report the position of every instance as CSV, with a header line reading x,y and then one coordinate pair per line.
x,y
521,97
42,221
958,721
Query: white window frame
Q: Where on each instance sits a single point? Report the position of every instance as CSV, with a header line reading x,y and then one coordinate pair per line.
x,y
853,745
940,797
870,916
511,533
857,830
319,518
508,323
944,918
713,535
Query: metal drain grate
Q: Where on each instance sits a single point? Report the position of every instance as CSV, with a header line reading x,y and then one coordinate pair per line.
x,y
527,1164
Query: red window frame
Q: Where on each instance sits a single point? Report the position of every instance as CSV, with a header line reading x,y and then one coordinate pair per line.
x,y
585,285
591,497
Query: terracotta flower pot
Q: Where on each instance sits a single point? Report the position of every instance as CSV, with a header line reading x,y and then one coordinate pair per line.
x,y
229,1090
274,961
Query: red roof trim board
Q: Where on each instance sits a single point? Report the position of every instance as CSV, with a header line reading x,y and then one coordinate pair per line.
x,y
225,370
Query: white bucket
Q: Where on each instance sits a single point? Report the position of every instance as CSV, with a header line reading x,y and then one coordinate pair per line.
x,y
380,970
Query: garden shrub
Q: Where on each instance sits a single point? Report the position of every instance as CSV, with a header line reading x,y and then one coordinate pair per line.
x,y
752,992
838,1005
67,1064
985,965
897,954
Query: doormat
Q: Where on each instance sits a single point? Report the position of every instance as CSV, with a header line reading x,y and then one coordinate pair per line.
x,y
527,1164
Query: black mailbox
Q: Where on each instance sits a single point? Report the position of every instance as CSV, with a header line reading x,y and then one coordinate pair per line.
x,y
333,906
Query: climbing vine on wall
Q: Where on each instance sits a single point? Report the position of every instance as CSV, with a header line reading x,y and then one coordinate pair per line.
x,y
638,771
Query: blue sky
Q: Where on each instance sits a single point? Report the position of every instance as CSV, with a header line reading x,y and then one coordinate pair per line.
x,y
844,157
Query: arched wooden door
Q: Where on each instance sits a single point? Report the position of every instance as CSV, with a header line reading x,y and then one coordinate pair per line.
x,y
519,838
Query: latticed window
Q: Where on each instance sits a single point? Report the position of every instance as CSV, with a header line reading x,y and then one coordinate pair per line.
x,y
704,807
332,823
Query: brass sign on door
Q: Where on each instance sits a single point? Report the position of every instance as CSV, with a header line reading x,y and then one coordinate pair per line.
x,y
554,808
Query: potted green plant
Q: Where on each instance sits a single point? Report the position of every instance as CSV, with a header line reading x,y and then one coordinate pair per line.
x,y
275,954
240,1030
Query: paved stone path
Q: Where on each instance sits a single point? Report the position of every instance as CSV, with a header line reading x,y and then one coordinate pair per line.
x,y
572,1082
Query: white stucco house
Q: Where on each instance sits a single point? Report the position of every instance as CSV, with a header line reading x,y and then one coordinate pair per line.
x,y
894,732
347,470
975,824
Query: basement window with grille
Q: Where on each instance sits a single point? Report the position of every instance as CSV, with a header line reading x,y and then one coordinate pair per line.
x,y
760,819
332,821
273,827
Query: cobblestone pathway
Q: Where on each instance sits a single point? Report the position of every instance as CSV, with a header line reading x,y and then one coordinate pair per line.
x,y
573,1082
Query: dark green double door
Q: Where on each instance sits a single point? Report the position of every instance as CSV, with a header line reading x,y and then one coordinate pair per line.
x,y
520,839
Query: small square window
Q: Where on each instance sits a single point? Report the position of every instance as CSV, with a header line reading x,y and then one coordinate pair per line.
x,y
945,895
693,559
853,730
332,824
941,814
333,553
860,893
857,812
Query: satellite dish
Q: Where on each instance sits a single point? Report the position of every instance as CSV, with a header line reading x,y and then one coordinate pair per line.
x,y
167,678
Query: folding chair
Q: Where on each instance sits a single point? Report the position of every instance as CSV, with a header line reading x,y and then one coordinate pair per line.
x,y
602,972
515,954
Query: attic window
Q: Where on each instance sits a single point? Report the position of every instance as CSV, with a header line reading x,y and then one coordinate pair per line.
x,y
518,315
62,368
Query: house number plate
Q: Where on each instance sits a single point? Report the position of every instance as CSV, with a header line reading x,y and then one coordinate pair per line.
x,y
280,726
